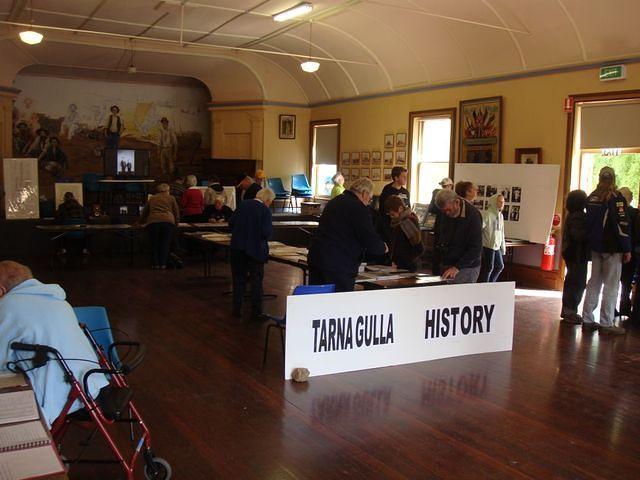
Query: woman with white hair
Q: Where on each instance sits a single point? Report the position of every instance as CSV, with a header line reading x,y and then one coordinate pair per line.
x,y
338,185
160,217
345,232
192,201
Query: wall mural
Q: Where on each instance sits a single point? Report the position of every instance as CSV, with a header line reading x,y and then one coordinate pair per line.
x,y
67,123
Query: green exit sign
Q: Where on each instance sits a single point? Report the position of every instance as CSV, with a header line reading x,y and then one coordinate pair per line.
x,y
613,72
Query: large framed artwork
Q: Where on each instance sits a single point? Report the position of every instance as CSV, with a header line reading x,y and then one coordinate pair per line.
x,y
480,127
287,127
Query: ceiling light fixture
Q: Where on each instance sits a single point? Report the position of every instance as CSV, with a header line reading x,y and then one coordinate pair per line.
x,y
293,12
310,66
31,37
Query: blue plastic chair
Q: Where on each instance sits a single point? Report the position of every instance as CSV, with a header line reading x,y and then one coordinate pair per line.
x,y
300,187
277,186
281,322
97,322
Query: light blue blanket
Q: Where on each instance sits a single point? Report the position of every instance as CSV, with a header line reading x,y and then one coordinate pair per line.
x,y
33,312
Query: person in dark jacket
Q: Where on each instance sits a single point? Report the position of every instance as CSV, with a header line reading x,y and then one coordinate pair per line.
x,y
344,233
445,183
629,268
217,211
70,212
460,238
406,240
575,253
246,189
251,228
610,244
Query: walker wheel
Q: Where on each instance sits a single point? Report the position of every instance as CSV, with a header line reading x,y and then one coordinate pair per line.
x,y
162,470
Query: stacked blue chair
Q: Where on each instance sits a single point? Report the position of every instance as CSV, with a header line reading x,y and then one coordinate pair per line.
x,y
281,322
300,187
97,322
277,186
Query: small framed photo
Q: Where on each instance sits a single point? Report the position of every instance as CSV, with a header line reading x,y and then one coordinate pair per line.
x,y
531,156
355,173
387,173
376,158
344,160
288,127
389,140
401,157
376,174
401,140
365,172
346,173
365,159
388,157
355,158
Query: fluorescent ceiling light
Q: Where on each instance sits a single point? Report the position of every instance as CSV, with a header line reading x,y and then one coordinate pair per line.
x,y
293,12
310,66
30,37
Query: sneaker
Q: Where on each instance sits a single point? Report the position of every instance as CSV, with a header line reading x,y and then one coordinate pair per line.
x,y
590,326
613,330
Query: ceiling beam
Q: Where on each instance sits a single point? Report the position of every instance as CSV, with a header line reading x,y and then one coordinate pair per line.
x,y
213,7
227,22
153,24
93,13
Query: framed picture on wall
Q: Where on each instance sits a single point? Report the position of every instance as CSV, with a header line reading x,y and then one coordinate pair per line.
x,y
388,157
376,158
355,158
288,127
346,173
531,156
355,173
387,173
376,174
365,158
401,157
344,160
480,130
401,140
365,172
388,140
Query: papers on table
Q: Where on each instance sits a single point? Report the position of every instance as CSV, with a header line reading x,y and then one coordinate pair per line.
x,y
23,435
18,407
29,463
9,380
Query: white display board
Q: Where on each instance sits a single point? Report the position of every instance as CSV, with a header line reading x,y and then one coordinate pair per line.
x,y
75,188
342,332
530,195
21,188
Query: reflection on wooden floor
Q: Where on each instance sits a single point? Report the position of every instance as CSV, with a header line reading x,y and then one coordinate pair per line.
x,y
562,404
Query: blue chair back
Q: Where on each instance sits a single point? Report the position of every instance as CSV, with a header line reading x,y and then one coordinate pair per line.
x,y
277,186
97,321
299,182
314,289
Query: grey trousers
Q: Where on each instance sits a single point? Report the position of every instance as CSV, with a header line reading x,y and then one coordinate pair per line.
x,y
467,275
605,277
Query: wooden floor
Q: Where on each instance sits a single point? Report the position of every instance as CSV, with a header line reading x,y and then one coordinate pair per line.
x,y
562,404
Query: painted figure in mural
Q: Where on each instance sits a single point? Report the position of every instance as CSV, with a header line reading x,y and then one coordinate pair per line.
x,y
71,121
115,126
39,144
21,138
53,159
168,147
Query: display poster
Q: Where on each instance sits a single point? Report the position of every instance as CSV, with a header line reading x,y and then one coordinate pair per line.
x,y
75,188
21,188
342,332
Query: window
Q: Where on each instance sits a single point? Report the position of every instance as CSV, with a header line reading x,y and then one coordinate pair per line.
x,y
325,147
431,151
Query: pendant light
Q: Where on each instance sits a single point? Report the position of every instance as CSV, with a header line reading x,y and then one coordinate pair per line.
x,y
31,37
310,66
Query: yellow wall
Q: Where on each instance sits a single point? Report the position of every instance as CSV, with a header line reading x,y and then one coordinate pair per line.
x,y
532,112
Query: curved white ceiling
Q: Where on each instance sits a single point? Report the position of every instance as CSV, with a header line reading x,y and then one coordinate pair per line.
x,y
366,46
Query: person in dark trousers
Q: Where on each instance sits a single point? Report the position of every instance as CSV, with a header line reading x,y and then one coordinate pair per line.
x,y
161,216
610,245
246,189
460,238
575,253
70,212
114,128
344,233
629,268
251,228
406,241
494,245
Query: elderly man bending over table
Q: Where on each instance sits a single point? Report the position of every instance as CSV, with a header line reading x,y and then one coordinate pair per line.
x,y
36,313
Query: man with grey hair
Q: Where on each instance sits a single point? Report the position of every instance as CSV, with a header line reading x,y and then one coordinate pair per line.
x,y
251,228
35,313
345,232
459,238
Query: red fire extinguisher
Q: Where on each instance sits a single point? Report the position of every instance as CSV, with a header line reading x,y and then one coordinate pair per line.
x,y
547,262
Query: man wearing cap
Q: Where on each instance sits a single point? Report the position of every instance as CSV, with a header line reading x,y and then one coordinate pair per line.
x,y
114,129
246,188
444,183
167,147
610,244
261,178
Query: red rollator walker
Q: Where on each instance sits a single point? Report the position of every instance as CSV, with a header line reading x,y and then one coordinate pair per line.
x,y
113,405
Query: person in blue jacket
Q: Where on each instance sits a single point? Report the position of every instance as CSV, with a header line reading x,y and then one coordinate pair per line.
x,y
251,228
344,233
610,245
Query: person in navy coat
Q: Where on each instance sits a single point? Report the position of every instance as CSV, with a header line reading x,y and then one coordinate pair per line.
x,y
344,233
251,228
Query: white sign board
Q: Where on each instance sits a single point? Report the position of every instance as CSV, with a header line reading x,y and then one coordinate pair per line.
x,y
530,195
342,332
75,188
22,199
